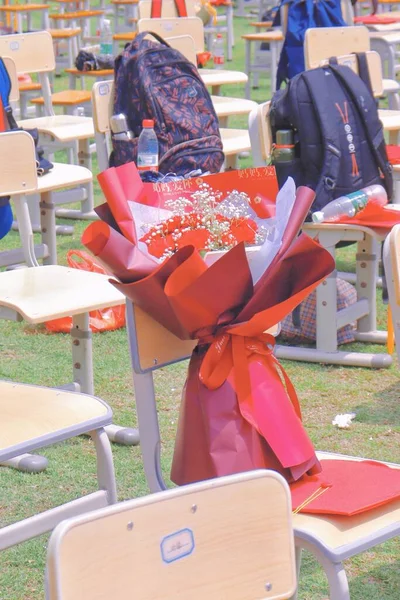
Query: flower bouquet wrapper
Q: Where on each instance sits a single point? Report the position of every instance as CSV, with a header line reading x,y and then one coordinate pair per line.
x,y
239,409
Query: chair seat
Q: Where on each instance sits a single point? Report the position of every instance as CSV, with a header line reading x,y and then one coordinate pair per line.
x,y
61,176
33,416
390,85
29,87
390,119
235,141
222,76
50,292
66,98
224,107
66,33
342,536
63,128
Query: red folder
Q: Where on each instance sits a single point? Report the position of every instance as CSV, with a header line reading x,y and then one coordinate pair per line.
x,y
346,487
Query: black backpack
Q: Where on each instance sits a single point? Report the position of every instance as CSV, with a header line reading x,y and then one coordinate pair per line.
x,y
155,81
339,142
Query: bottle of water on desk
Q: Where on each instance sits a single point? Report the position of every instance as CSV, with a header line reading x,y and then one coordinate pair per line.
x,y
106,42
218,51
351,204
147,151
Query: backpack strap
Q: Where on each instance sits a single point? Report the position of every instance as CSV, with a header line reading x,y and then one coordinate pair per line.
x,y
316,83
156,7
363,70
370,121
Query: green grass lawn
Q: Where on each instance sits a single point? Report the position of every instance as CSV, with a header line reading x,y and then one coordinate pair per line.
x,y
28,354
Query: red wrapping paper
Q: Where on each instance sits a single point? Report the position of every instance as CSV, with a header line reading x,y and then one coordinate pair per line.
x,y
379,218
349,487
239,410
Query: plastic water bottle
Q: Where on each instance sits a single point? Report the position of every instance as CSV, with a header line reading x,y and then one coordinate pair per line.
x,y
147,151
218,51
351,204
106,41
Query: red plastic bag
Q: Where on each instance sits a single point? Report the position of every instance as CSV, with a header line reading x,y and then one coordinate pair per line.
x,y
106,319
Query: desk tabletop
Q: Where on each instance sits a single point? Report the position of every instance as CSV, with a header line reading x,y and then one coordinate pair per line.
x,y
264,36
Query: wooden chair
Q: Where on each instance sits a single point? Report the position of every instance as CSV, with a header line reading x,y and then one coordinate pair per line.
x,y
79,19
128,9
221,23
193,26
328,319
235,141
323,42
20,181
22,12
65,37
332,539
34,53
259,64
40,294
33,417
187,542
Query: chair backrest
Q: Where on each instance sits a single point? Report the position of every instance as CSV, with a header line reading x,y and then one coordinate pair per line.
x,y
321,43
102,103
17,163
225,538
12,71
151,345
186,46
260,134
173,27
347,11
168,9
391,260
32,53
374,68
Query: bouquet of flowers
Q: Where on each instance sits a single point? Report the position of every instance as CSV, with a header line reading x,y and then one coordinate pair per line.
x,y
239,409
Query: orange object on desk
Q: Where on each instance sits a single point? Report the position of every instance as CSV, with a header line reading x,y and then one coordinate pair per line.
x,y
393,153
375,20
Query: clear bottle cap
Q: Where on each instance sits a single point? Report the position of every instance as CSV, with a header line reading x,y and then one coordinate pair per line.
x,y
148,123
318,217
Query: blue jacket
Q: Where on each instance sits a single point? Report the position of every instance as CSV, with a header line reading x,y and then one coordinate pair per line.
x,y
302,15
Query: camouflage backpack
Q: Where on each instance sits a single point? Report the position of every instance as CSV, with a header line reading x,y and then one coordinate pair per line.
x,y
155,81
